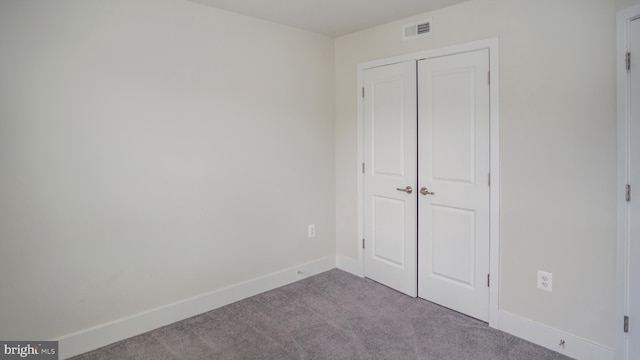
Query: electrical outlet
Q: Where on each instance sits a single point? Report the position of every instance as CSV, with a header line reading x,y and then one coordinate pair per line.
x,y
311,230
545,281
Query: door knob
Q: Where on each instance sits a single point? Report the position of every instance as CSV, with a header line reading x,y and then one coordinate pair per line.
x,y
408,189
425,191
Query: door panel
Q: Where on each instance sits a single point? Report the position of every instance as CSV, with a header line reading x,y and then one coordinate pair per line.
x,y
390,162
388,219
453,152
388,134
453,246
451,106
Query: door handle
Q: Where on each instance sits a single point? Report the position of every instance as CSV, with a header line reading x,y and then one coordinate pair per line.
x,y
408,189
425,191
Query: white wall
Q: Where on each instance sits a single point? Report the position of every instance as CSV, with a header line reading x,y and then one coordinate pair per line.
x,y
558,149
153,150
623,4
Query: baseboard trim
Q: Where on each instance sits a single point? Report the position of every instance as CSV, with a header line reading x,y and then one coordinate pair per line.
x,y
548,337
348,265
105,334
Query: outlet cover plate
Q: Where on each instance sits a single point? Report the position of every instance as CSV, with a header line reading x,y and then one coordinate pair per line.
x,y
545,281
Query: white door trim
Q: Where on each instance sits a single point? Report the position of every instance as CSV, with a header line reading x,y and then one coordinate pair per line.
x,y
622,306
494,226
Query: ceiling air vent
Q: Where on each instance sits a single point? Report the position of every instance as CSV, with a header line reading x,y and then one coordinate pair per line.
x,y
416,30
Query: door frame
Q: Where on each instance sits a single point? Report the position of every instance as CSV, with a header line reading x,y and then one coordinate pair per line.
x,y
494,124
622,263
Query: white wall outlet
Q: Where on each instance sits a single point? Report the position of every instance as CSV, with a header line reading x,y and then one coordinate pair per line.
x,y
545,281
311,230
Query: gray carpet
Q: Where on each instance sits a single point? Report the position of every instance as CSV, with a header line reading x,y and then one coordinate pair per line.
x,y
333,315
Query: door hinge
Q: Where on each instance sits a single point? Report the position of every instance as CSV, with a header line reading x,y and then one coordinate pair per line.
x,y
363,243
363,92
627,192
627,59
488,280
626,324
489,179
489,78
363,168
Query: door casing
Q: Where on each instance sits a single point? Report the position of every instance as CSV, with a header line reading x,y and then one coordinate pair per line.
x,y
494,226
623,254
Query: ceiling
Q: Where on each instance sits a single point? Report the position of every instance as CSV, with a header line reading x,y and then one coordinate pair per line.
x,y
330,17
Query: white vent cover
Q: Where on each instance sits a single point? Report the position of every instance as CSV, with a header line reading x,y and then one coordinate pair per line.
x,y
416,30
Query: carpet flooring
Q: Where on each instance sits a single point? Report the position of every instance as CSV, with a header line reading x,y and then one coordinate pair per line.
x,y
333,315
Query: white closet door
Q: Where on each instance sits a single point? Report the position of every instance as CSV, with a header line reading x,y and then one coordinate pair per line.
x,y
453,205
390,176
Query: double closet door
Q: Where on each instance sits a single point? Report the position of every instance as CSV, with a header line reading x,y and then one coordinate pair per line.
x,y
426,179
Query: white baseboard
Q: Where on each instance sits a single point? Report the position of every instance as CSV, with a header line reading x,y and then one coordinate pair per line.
x,y
105,334
549,338
348,265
